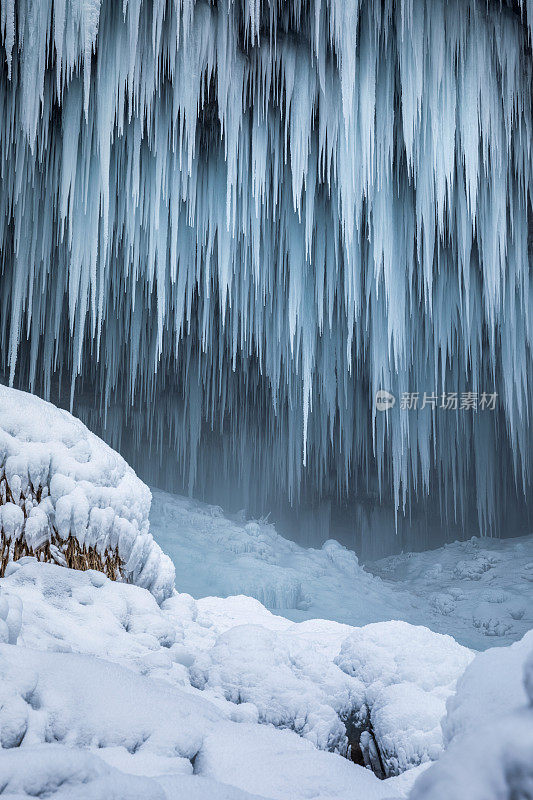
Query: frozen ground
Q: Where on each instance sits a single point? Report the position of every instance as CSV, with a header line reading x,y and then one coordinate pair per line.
x,y
480,591
153,698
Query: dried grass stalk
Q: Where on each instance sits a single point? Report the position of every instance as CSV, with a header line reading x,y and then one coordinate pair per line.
x,y
75,555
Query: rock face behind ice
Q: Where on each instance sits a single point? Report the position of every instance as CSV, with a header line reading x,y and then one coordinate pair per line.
x,y
65,496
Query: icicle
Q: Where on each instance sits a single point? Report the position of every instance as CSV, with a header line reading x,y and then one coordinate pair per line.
x,y
229,225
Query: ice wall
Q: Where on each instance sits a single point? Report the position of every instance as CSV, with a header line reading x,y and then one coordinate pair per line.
x,y
227,225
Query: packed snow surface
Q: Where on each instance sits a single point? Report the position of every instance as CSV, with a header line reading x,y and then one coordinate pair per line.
x,y
104,691
214,681
479,591
58,481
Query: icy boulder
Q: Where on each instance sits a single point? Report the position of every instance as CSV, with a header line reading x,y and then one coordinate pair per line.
x,y
65,496
407,673
380,699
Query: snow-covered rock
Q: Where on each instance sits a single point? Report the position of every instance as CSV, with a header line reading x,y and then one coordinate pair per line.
x,y
65,496
386,689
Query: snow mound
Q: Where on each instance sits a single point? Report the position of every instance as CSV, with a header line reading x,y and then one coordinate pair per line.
x,y
61,773
65,496
489,729
406,674
289,683
492,686
383,695
85,612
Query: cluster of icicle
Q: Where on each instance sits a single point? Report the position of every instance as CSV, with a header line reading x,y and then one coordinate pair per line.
x,y
66,497
241,219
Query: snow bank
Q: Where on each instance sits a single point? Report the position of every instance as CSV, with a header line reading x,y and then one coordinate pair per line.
x,y
489,725
491,687
131,711
67,497
251,665
284,767
83,702
56,772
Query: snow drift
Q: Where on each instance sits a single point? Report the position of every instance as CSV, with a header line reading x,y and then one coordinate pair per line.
x,y
488,730
102,672
65,496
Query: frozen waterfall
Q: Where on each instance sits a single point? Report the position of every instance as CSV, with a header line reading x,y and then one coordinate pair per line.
x,y
226,226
